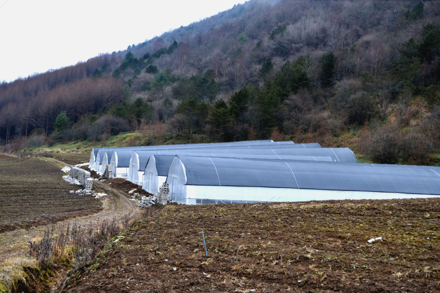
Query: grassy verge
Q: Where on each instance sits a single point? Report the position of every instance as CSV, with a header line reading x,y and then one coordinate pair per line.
x,y
51,257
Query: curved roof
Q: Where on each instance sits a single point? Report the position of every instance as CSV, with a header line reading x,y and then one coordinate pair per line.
x,y
163,162
269,156
101,155
339,155
95,151
144,156
124,157
268,146
210,171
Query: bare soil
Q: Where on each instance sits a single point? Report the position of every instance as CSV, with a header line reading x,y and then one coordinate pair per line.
x,y
125,186
72,158
32,193
14,246
298,247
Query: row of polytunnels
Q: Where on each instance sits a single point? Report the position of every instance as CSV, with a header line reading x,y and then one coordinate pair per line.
x,y
262,171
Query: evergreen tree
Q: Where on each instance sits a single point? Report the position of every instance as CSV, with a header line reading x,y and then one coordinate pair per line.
x,y
62,122
416,13
96,73
220,121
266,68
172,47
142,110
267,105
195,113
430,46
152,69
239,103
327,74
242,38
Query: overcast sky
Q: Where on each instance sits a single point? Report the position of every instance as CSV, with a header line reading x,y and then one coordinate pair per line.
x,y
38,35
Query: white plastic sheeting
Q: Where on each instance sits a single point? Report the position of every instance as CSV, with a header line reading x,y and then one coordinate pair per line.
x,y
103,156
177,180
103,162
156,172
193,194
151,179
120,163
134,167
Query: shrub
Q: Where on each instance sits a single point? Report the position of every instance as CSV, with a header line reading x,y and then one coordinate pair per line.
x,y
384,146
361,108
107,124
389,146
416,148
35,141
80,131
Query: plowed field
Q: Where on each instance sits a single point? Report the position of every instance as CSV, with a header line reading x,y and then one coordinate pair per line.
x,y
32,193
298,247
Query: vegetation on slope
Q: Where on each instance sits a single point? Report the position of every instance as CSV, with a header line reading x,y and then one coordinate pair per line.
x,y
358,73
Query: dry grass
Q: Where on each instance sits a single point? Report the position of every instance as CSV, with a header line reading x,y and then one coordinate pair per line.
x,y
12,273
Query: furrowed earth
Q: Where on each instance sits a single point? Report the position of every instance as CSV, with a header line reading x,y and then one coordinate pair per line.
x,y
32,193
298,247
33,196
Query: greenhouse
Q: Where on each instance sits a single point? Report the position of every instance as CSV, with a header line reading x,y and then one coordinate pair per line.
x,y
158,166
201,180
120,163
102,160
277,145
138,162
156,172
339,155
95,162
140,157
97,155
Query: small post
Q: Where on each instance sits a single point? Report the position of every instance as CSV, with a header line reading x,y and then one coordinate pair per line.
x,y
157,231
204,242
236,258
282,251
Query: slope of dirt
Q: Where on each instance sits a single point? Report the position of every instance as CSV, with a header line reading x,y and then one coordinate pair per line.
x,y
125,186
304,247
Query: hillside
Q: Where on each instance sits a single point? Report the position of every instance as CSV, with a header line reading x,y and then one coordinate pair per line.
x,y
364,74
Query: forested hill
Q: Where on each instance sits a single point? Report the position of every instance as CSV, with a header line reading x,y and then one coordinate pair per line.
x,y
359,73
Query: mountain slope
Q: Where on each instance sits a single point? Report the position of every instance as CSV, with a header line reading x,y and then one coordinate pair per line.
x,y
301,70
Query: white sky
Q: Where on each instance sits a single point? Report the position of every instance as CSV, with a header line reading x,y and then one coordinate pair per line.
x,y
38,35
